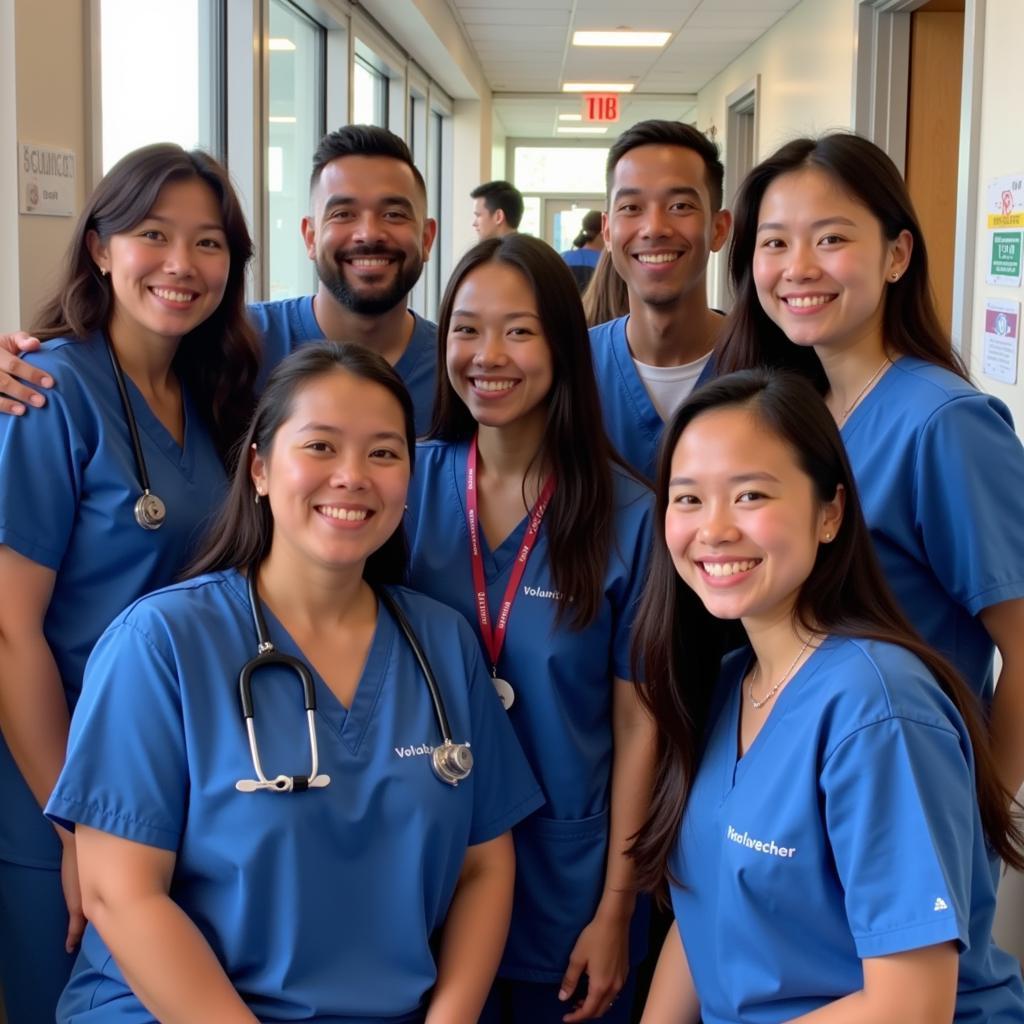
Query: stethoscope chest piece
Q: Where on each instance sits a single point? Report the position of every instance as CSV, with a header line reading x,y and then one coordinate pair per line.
x,y
452,762
150,511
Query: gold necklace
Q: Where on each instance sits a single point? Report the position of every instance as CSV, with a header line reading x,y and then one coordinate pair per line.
x,y
758,704
860,394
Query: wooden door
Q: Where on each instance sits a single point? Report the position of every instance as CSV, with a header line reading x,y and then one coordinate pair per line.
x,y
933,135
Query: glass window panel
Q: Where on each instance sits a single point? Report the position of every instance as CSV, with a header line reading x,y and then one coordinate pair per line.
x,y
560,169
369,95
296,125
530,224
141,42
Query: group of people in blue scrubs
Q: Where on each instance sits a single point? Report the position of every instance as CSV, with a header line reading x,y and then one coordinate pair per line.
x,y
709,687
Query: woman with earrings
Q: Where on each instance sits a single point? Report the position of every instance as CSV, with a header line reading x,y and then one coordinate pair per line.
x,y
376,887
826,795
831,278
105,497
523,519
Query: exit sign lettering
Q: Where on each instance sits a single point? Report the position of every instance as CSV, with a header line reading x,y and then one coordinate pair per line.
x,y
600,107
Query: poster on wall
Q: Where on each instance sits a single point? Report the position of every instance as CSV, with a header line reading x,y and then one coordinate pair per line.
x,y
46,180
1002,332
1004,258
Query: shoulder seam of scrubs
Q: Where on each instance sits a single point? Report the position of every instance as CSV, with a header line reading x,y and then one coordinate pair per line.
x,y
898,718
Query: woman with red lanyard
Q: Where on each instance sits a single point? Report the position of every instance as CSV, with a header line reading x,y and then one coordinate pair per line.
x,y
524,519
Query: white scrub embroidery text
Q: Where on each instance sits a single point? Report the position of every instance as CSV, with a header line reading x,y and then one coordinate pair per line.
x,y
769,847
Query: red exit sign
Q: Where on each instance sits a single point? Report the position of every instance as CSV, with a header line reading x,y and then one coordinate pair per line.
x,y
600,106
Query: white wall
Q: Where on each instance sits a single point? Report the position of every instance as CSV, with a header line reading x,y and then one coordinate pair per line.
x,y
805,63
1001,153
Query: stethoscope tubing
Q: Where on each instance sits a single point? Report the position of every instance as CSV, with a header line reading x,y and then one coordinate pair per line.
x,y
451,762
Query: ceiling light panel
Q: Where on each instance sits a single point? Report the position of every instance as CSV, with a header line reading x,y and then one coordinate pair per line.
x,y
620,38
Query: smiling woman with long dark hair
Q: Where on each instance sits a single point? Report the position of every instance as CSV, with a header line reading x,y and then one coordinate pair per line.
x,y
147,339
826,798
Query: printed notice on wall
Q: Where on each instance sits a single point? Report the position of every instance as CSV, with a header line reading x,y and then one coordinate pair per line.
x,y
1005,208
1002,331
46,180
1004,258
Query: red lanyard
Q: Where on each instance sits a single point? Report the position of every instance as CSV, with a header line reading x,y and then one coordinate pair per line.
x,y
494,637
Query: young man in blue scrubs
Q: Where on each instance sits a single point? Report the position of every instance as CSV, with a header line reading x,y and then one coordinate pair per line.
x,y
369,235
664,220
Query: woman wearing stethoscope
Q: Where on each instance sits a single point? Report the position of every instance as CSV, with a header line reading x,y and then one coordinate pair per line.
x,y
521,518
291,780
105,497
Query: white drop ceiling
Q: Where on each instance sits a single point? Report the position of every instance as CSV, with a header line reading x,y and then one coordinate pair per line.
x,y
526,52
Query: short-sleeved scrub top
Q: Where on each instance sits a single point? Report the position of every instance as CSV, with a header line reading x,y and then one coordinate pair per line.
x,y
288,323
562,711
68,487
848,830
320,905
940,473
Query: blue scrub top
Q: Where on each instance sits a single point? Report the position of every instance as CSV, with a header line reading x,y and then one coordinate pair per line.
x,y
288,323
320,905
940,473
849,830
581,257
631,421
562,713
68,487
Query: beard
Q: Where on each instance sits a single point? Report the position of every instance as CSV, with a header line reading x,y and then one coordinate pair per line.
x,y
369,300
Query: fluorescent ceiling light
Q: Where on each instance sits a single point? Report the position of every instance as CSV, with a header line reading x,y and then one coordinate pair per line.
x,y
570,117
620,38
281,119
280,43
581,131
598,87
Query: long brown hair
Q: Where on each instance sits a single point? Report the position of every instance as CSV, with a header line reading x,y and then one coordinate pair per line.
x,y
218,360
579,520
605,297
243,531
910,325
678,645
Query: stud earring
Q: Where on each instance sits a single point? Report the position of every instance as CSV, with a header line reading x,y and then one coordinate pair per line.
x,y
104,271
827,537
894,277
257,498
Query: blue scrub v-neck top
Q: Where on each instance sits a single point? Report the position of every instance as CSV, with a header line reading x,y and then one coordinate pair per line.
x,y
940,474
286,324
320,905
631,421
849,829
68,487
562,678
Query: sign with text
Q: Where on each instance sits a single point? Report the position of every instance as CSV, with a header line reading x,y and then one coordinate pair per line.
x,y
46,180
600,106
1002,331
1004,260
1005,207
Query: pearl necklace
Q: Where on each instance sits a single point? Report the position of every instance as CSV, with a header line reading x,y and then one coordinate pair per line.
x,y
860,394
758,704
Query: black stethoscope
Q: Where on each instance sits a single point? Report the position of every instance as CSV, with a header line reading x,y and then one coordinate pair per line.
x,y
452,762
150,511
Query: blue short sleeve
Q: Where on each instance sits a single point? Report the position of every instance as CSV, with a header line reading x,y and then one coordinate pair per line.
x,y
902,834
504,789
41,462
126,771
632,542
969,491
